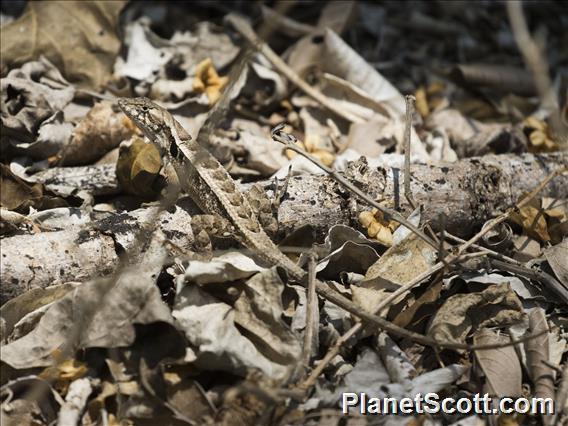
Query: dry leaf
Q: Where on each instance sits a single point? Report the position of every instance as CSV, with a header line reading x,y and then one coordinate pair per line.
x,y
64,373
377,227
532,219
207,80
540,139
99,132
138,168
538,355
18,195
83,43
494,362
496,306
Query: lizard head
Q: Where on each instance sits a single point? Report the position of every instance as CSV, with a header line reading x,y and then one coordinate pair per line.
x,y
152,119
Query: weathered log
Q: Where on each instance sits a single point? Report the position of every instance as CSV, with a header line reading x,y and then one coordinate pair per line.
x,y
97,179
467,192
83,252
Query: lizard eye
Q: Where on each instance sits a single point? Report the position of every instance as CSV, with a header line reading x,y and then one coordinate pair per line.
x,y
145,108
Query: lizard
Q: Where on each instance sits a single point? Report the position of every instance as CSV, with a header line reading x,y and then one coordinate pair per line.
x,y
215,192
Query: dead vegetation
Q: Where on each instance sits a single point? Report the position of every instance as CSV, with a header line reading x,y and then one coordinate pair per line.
x,y
443,211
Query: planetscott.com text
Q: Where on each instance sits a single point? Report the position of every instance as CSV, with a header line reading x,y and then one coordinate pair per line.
x,y
431,403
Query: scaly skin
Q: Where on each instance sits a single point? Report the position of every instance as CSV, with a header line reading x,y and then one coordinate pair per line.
x,y
215,192
205,179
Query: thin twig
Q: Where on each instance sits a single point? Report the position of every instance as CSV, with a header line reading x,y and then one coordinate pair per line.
x,y
244,29
311,312
288,141
409,100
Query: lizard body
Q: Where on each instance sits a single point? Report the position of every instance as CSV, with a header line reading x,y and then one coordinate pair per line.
x,y
215,192
205,179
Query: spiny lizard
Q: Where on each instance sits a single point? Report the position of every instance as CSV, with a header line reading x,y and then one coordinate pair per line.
x,y
215,192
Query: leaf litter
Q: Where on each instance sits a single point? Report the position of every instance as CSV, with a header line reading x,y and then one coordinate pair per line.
x,y
116,311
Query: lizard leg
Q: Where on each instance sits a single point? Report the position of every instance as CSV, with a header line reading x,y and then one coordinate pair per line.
x,y
207,226
263,208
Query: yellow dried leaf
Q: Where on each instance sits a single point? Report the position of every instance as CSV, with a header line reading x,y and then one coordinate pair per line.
x,y
312,142
64,373
422,102
539,136
384,236
377,227
326,157
207,80
373,229
535,123
366,218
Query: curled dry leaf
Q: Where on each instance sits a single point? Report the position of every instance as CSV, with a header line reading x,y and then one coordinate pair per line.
x,y
86,52
540,138
33,97
211,329
103,129
259,311
499,77
531,217
208,81
496,306
19,195
14,310
138,168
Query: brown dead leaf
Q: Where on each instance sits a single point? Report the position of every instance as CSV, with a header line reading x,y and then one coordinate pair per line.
x,y
494,362
409,315
83,43
99,132
138,168
532,219
496,306
18,195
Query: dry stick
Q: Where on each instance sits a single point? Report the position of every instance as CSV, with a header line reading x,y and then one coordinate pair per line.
x,y
284,23
537,65
311,311
409,101
244,28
